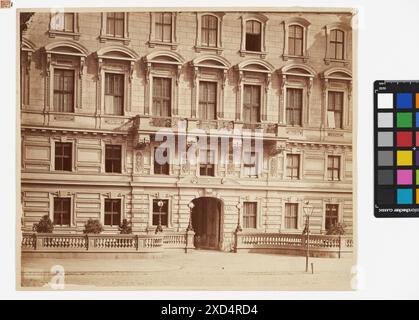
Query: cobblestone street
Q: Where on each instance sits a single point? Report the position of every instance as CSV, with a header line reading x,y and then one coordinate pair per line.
x,y
198,270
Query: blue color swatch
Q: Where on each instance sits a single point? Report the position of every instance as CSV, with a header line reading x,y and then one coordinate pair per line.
x,y
404,196
404,101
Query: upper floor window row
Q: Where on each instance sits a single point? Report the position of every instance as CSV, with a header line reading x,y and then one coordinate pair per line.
x,y
209,33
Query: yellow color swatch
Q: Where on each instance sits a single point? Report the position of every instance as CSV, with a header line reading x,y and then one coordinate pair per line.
x,y
417,196
404,158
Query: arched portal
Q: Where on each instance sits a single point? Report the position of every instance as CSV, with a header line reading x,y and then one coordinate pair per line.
x,y
207,222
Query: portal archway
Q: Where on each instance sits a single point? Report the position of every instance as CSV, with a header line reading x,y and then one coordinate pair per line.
x,y
207,222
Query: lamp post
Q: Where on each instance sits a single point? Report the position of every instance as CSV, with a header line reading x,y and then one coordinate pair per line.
x,y
159,227
189,230
190,206
238,227
308,210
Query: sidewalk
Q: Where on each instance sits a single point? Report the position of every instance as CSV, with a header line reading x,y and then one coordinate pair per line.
x,y
202,270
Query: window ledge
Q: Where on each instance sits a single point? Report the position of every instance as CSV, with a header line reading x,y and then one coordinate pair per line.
x,y
289,56
262,54
104,38
54,33
329,60
219,50
153,43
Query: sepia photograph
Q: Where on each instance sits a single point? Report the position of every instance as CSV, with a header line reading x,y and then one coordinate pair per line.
x,y
186,149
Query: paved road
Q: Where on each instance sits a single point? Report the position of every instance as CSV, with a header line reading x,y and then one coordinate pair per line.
x,y
202,270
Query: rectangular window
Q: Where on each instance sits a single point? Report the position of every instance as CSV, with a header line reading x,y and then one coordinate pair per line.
x,y
295,41
291,215
209,31
335,109
293,166
162,96
63,156
161,168
162,212
62,211
63,90
112,212
332,216
251,105
115,24
114,94
294,106
333,168
253,36
249,214
250,164
113,155
206,162
63,21
207,100
337,44
163,27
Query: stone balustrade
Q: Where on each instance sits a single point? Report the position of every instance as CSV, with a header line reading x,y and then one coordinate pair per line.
x,y
53,242
296,244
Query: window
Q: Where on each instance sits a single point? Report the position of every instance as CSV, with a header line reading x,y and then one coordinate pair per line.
x,y
63,156
251,106
333,168
112,212
163,30
291,215
332,216
160,168
250,164
114,94
294,106
334,109
162,96
113,158
62,211
63,90
63,21
253,35
207,100
249,214
336,50
163,212
206,162
293,166
209,31
295,40
115,24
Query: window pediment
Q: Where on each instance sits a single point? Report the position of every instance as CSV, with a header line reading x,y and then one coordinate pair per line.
x,y
117,53
165,57
298,70
209,61
337,74
66,48
255,66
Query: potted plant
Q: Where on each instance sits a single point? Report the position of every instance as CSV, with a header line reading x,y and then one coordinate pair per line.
x,y
125,227
44,225
93,226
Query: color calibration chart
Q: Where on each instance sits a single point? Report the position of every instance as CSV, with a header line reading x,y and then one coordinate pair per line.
x,y
396,148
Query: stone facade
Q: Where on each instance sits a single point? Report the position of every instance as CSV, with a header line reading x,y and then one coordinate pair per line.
x,y
139,56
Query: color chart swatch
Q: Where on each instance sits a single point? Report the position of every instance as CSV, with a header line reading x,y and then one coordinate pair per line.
x,y
396,148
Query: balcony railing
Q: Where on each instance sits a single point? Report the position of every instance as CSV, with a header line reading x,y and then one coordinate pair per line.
x,y
53,242
332,245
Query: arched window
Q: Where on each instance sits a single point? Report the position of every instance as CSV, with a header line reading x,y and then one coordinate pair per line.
x,y
295,40
337,44
253,35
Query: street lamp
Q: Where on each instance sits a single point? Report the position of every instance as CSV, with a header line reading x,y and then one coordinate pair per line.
x,y
190,206
239,227
159,227
308,210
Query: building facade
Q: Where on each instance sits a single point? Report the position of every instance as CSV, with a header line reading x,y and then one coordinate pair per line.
x,y
98,89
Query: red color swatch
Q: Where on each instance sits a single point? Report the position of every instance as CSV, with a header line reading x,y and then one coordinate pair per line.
x,y
404,139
